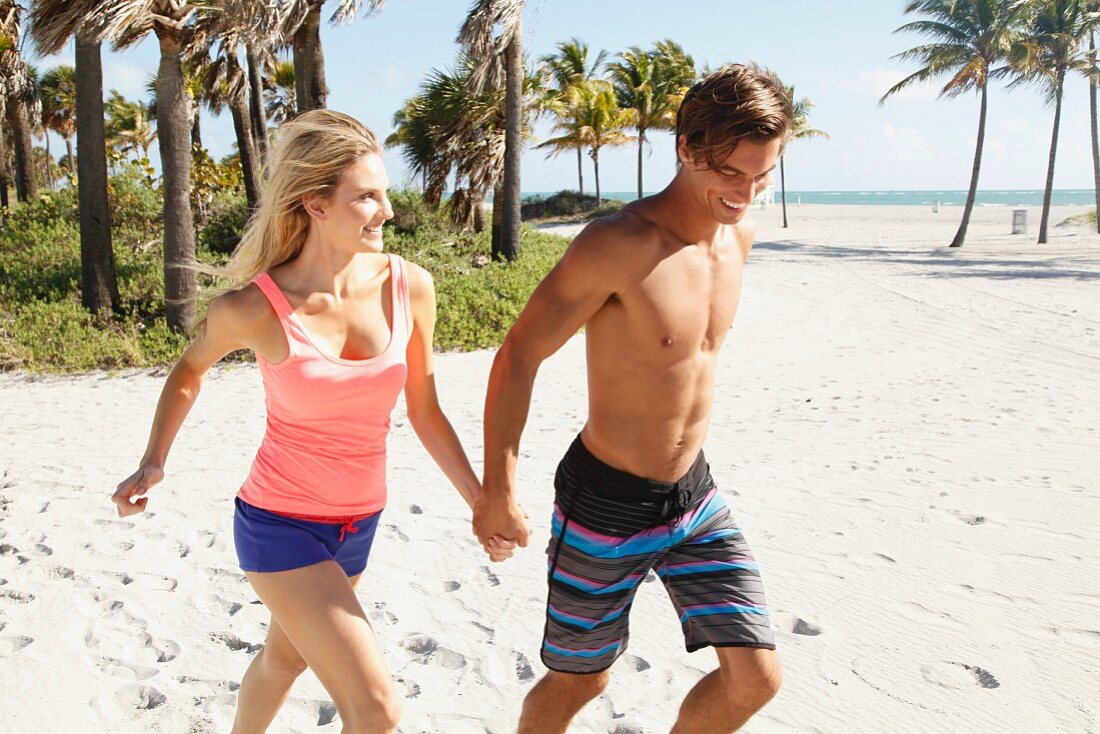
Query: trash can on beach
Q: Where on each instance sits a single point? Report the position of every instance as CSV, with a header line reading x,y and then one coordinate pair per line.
x,y
1019,221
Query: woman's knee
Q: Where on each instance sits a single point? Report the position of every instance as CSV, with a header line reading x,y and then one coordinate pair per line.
x,y
283,662
371,712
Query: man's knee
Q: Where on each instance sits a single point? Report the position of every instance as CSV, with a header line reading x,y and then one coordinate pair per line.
x,y
753,682
577,686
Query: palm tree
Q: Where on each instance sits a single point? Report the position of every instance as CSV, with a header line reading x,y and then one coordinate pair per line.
x,y
129,125
968,38
280,92
800,129
1094,7
301,21
1058,31
598,122
492,36
57,89
20,99
53,23
565,69
651,84
127,22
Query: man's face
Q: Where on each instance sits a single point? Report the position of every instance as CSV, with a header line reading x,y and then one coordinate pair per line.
x,y
727,189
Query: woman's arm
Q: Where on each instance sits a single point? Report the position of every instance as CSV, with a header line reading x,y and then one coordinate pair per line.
x,y
227,329
425,414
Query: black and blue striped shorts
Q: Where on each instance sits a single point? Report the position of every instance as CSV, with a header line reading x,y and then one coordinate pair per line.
x,y
610,529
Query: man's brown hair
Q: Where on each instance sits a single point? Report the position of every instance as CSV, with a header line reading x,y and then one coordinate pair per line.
x,y
738,101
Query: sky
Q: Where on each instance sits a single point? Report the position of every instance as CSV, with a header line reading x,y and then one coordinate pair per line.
x,y
836,54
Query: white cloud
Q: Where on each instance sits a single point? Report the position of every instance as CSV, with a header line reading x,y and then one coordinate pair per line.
x,y
875,83
128,78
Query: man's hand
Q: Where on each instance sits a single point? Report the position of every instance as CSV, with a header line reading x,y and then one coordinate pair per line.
x,y
501,517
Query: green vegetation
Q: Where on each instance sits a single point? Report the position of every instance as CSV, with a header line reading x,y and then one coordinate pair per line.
x,y
567,206
1080,220
43,326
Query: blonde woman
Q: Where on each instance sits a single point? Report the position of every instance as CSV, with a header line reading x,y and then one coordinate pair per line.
x,y
339,328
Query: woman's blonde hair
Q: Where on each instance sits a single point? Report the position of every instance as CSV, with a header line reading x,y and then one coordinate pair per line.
x,y
312,154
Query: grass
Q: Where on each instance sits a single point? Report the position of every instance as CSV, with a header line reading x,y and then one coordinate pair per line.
x,y
44,328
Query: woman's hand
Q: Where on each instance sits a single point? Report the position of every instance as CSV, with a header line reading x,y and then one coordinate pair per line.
x,y
129,496
500,549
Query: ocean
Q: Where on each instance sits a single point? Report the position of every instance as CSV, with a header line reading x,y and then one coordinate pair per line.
x,y
989,197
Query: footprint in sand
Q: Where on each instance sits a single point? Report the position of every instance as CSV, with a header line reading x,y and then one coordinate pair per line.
x,y
415,510
397,531
214,604
636,663
55,573
971,519
235,643
139,697
8,550
219,574
426,649
958,675
449,586
795,625
493,579
412,690
10,596
379,613
9,645
37,551
118,524
524,672
206,538
326,712
122,669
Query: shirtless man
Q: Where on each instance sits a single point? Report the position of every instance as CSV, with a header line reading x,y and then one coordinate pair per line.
x,y
656,287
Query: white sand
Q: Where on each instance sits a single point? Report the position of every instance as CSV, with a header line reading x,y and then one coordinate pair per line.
x,y
908,435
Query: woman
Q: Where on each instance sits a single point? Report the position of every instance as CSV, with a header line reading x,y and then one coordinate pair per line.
x,y
338,329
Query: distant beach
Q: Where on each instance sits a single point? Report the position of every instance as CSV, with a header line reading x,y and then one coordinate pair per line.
x,y
946,197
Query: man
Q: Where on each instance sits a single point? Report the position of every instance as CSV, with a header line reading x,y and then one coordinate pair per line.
x,y
655,287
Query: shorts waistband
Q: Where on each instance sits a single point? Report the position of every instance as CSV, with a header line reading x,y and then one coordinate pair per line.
x,y
608,480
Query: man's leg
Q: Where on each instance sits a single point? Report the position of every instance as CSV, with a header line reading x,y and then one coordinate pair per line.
x,y
722,701
556,699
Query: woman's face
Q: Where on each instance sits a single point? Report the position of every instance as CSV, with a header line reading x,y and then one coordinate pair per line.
x,y
355,212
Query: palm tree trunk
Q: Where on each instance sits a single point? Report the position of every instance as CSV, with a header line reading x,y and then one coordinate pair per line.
x,y
1049,190
495,224
69,154
256,114
596,165
25,184
196,128
513,144
99,287
972,194
180,284
580,172
309,62
641,145
783,190
242,126
49,159
1095,138
4,202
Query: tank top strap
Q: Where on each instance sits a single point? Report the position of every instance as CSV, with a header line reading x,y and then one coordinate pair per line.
x,y
274,295
402,302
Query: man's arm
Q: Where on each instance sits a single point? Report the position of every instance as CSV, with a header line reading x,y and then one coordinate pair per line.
x,y
592,269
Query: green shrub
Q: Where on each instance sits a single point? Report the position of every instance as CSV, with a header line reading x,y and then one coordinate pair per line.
x,y
567,206
412,214
1080,220
228,214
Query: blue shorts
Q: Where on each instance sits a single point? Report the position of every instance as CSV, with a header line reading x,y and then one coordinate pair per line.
x,y
268,542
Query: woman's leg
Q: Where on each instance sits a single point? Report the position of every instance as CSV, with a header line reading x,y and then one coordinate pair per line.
x,y
316,620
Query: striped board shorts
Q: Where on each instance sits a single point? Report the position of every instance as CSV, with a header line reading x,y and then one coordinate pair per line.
x,y
610,529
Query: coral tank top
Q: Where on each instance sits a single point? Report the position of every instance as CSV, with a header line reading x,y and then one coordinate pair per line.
x,y
324,450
